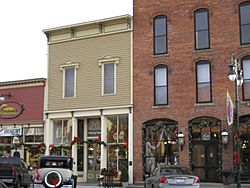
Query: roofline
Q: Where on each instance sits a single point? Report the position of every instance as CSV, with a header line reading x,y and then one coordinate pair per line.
x,y
45,31
26,81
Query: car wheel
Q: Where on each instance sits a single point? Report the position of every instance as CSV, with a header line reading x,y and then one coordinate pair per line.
x,y
53,179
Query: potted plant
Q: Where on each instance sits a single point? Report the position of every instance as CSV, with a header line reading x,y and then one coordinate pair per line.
x,y
124,177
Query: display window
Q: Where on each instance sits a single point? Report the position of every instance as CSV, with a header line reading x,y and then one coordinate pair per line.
x,y
117,142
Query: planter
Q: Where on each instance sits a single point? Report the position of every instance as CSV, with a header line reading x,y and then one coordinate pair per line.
x,y
124,184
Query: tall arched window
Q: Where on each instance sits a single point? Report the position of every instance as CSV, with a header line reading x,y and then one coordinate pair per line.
x,y
245,23
246,77
161,85
203,82
202,38
160,35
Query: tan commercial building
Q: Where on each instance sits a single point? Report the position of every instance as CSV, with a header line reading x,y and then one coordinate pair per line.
x,y
89,95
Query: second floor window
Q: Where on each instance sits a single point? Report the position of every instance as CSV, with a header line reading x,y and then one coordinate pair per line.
x,y
203,82
161,85
69,82
160,35
109,78
202,39
246,78
245,23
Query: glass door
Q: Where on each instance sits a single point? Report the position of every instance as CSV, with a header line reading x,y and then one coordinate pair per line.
x,y
93,161
205,161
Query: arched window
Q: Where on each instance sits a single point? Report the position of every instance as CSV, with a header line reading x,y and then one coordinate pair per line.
x,y
160,35
161,85
202,38
246,77
245,23
203,82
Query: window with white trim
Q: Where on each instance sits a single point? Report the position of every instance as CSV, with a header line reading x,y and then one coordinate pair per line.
x,y
69,79
108,75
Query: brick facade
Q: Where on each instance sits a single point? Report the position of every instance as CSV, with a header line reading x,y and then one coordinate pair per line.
x,y
181,60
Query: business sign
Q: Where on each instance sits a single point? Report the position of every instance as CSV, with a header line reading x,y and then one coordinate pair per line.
x,y
10,110
10,131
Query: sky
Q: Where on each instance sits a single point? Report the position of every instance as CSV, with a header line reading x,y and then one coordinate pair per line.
x,y
23,45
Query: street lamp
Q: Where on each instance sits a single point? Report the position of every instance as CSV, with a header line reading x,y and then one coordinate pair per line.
x,y
235,74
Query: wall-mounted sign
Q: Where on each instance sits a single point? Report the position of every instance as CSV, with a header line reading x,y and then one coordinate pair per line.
x,y
10,131
10,110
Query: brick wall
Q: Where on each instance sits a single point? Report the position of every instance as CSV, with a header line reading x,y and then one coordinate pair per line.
x,y
181,59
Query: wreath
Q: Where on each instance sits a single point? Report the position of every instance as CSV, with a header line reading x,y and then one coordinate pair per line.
x,y
53,179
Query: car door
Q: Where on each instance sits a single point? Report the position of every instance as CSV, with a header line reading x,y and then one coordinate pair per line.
x,y
151,180
26,175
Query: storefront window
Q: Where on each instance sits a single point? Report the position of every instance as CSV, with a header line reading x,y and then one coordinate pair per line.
x,y
117,139
62,132
34,134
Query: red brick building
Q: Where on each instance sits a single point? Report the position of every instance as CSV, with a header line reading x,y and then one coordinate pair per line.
x,y
182,52
21,116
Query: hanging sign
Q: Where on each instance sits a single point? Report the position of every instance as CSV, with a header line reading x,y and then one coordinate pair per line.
x,y
10,110
10,131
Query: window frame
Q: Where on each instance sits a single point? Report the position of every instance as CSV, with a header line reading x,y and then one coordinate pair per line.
x,y
210,81
243,85
247,3
155,87
101,63
63,67
154,34
195,29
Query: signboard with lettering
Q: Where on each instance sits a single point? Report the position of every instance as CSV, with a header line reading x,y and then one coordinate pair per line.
x,y
10,131
10,110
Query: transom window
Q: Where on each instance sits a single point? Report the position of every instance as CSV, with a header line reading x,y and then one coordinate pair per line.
x,y
202,38
161,85
246,78
160,34
245,23
203,82
34,134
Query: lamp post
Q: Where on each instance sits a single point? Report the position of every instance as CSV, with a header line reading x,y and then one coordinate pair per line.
x,y
235,74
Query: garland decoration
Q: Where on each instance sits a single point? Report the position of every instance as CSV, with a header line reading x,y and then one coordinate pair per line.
x,y
75,140
36,148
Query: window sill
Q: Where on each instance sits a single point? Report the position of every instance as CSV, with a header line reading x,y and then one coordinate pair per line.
x,y
204,104
203,50
246,102
162,106
244,45
160,55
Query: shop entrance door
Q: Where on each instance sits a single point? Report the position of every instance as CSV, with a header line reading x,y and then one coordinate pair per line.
x,y
205,161
94,161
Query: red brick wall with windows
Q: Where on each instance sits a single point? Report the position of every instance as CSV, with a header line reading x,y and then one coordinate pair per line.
x,y
181,59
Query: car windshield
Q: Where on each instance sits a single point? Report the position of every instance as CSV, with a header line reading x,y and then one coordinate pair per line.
x,y
54,164
9,160
176,171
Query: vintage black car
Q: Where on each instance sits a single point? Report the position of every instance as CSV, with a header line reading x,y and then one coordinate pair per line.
x,y
15,172
55,171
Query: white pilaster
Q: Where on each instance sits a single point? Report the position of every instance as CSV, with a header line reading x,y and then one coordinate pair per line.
x,y
104,138
74,147
130,146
